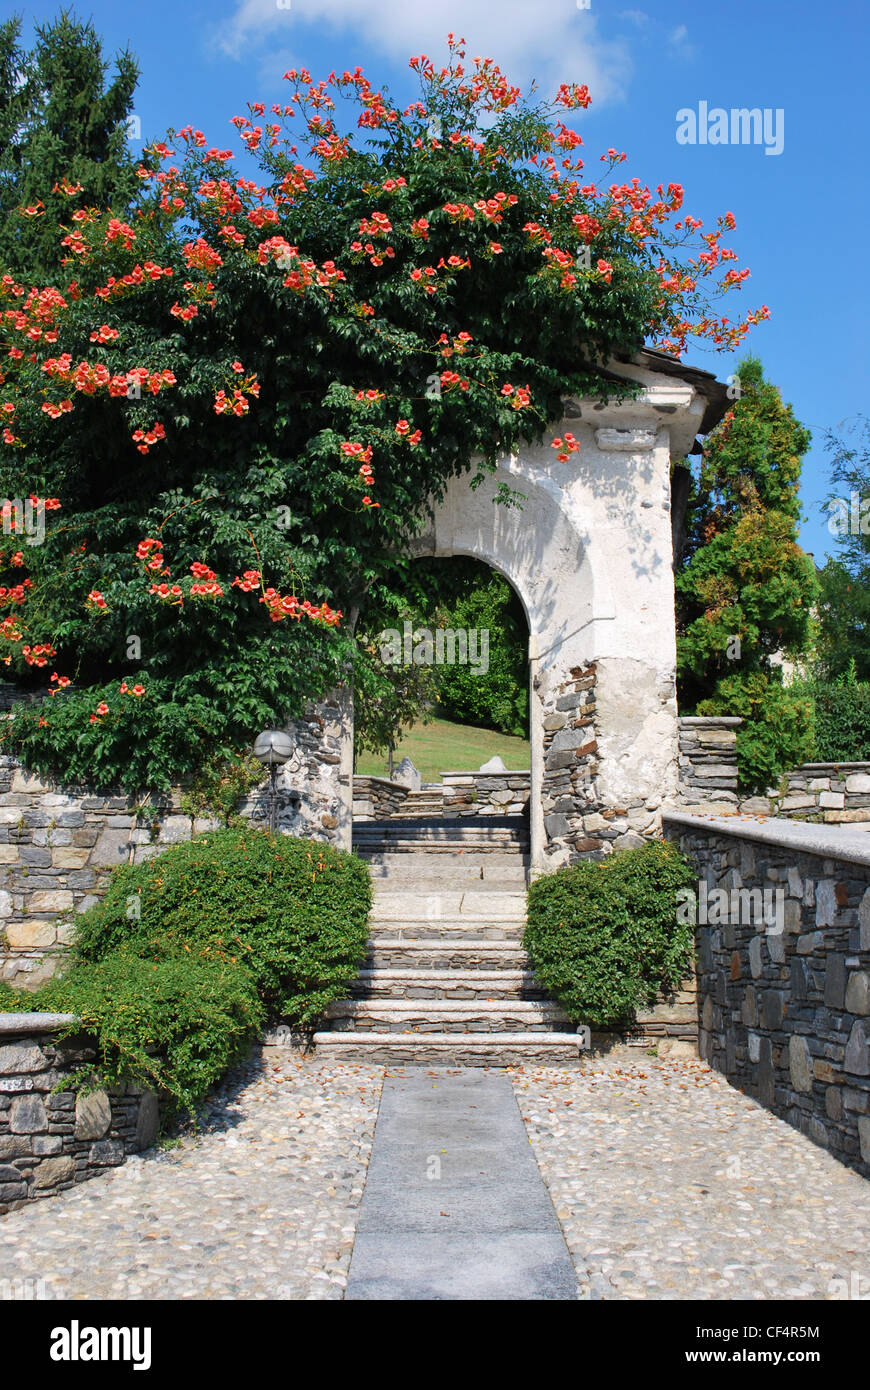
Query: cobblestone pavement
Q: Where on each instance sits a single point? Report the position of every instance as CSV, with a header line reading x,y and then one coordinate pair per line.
x,y
667,1182
670,1184
262,1205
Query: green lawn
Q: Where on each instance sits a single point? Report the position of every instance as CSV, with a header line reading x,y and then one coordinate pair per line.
x,y
444,747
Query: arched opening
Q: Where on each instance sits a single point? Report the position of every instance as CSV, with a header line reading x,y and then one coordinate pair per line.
x,y
441,726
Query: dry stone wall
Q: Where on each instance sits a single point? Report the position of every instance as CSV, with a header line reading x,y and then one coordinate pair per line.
x,y
569,792
578,823
59,844
485,794
784,1005
708,763
377,798
52,1138
833,793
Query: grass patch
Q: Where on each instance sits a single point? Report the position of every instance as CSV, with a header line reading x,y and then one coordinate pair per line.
x,y
442,746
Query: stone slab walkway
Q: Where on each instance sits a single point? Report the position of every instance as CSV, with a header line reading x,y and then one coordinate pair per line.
x,y
454,1206
670,1184
262,1205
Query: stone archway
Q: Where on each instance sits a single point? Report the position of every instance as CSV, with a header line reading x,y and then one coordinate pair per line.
x,y
590,555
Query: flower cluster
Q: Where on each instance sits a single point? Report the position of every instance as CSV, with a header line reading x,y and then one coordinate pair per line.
x,y
206,583
150,552
520,396
289,606
145,438
566,444
39,654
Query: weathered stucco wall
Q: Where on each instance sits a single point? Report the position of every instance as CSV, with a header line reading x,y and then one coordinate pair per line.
x,y
590,554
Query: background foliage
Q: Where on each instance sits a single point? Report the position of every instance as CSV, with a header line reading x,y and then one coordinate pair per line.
x,y
59,119
844,605
745,590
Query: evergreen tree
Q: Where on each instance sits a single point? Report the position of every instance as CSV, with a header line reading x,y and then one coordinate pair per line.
x,y
844,607
745,589
59,120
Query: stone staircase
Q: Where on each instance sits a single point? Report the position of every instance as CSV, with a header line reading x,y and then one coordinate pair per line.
x,y
446,979
427,802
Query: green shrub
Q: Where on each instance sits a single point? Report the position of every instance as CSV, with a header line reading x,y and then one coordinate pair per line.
x,y
189,952
842,721
294,912
603,938
174,1025
778,730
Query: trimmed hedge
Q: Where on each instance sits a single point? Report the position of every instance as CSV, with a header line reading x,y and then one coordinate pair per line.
x,y
604,938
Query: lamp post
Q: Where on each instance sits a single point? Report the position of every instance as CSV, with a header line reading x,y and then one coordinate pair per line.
x,y
273,747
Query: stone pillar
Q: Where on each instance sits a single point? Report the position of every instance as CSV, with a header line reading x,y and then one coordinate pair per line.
x,y
315,786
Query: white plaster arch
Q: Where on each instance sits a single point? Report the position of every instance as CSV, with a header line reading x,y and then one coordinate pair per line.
x,y
589,553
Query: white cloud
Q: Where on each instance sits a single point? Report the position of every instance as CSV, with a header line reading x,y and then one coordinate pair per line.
x,y
638,17
679,41
559,44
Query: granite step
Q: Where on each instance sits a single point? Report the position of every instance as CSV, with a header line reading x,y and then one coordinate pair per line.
x,y
481,904
447,930
460,953
457,984
453,1049
446,1016
460,867
484,834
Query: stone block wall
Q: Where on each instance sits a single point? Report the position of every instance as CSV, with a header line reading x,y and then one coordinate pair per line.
x,y
377,798
833,793
577,822
784,1006
460,794
51,1138
58,844
708,763
485,794
568,791
314,787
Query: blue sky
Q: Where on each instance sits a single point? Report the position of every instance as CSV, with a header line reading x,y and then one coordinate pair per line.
x,y
802,215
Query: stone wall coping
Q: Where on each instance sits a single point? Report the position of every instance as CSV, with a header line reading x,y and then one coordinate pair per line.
x,y
382,781
828,767
36,1023
467,772
826,841
712,721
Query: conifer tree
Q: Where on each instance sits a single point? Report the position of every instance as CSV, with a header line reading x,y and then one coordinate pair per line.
x,y
59,119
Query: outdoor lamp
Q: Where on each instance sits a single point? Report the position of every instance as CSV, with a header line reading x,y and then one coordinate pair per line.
x,y
273,747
